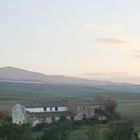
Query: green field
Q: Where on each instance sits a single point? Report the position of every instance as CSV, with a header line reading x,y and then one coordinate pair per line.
x,y
11,93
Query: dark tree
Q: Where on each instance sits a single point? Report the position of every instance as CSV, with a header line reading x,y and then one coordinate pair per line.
x,y
9,131
59,131
51,133
93,133
122,130
110,105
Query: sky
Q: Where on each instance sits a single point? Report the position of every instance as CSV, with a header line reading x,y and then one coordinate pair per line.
x,y
71,37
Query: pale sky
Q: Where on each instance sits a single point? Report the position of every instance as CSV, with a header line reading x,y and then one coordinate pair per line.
x,y
71,37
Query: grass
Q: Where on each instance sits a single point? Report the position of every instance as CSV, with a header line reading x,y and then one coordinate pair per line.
x,y
80,134
36,134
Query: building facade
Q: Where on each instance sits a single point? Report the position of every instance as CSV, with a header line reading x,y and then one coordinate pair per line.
x,y
51,111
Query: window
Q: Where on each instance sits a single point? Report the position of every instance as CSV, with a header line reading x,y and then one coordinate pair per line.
x,y
84,117
56,108
45,109
84,107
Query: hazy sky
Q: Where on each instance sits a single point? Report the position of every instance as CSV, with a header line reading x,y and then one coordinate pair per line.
x,y
71,37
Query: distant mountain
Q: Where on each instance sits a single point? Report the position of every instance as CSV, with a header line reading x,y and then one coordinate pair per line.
x,y
17,84
12,74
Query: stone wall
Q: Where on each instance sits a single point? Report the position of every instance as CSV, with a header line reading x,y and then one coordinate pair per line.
x,y
85,111
81,109
38,120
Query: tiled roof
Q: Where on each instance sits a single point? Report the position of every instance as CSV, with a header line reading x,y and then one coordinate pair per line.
x,y
48,103
63,102
80,101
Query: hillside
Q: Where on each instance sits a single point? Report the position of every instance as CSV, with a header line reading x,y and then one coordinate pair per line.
x,y
12,74
17,84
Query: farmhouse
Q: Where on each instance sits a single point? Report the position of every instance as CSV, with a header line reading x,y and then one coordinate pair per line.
x,y
35,112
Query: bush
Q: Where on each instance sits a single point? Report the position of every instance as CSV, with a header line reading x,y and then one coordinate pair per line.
x,y
9,131
40,127
121,130
58,131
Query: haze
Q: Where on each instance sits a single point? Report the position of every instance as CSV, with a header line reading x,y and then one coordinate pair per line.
x,y
74,38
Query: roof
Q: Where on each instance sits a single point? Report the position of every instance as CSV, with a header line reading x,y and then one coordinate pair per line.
x,y
80,101
52,114
47,103
62,102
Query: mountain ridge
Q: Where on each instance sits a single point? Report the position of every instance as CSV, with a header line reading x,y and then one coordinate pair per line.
x,y
13,74
10,73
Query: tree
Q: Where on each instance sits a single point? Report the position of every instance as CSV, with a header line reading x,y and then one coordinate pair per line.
x,y
59,131
108,102
93,133
51,133
5,115
122,130
110,106
65,128
9,131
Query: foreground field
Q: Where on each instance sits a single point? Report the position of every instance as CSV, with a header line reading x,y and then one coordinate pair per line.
x,y
81,132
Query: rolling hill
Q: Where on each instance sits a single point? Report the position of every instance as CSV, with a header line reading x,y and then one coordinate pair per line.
x,y
12,74
18,84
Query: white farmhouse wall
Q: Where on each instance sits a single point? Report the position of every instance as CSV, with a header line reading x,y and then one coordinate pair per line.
x,y
18,114
35,110
62,109
35,122
53,109
57,119
59,109
48,109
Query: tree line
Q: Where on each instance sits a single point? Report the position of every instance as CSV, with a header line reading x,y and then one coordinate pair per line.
x,y
115,130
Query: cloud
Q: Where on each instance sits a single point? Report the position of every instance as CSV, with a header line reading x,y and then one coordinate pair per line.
x,y
102,28
106,74
112,41
121,77
136,54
